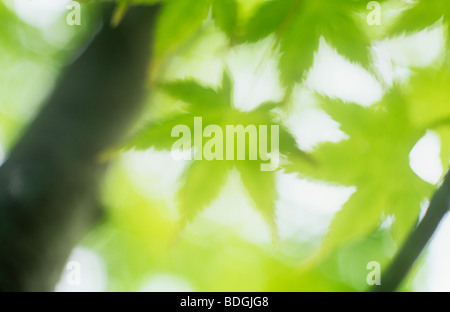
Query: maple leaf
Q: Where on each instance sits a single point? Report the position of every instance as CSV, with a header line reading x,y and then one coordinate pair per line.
x,y
375,159
420,15
298,26
203,179
180,20
428,96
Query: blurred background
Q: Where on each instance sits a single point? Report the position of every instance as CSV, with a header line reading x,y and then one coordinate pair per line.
x,y
138,246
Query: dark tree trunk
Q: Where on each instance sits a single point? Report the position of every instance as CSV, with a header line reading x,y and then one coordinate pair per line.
x,y
49,183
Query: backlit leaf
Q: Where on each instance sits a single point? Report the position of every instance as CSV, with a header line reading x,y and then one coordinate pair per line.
x,y
203,179
298,26
202,182
225,15
375,159
178,20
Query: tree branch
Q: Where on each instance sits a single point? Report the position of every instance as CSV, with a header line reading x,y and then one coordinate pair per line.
x,y
49,183
417,240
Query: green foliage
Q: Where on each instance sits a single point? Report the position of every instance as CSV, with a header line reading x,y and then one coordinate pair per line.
x,y
180,20
144,237
420,15
225,15
175,27
298,25
375,159
203,178
9,38
202,182
157,134
428,97
7,22
140,244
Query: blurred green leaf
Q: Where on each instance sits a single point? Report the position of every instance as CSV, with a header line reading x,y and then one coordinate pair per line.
x,y
200,98
267,19
177,22
420,15
429,97
225,15
298,25
375,159
226,92
203,178
202,182
260,185
158,134
341,31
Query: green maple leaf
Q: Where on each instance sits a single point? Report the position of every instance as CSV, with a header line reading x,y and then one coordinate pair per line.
x,y
429,97
225,15
180,20
420,15
298,26
203,179
375,159
174,26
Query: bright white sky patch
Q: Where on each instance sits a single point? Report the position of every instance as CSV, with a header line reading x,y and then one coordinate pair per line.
x,y
439,275
303,210
309,124
234,209
393,56
40,13
420,49
306,206
423,208
424,158
434,274
166,283
200,60
313,126
93,276
154,173
335,76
